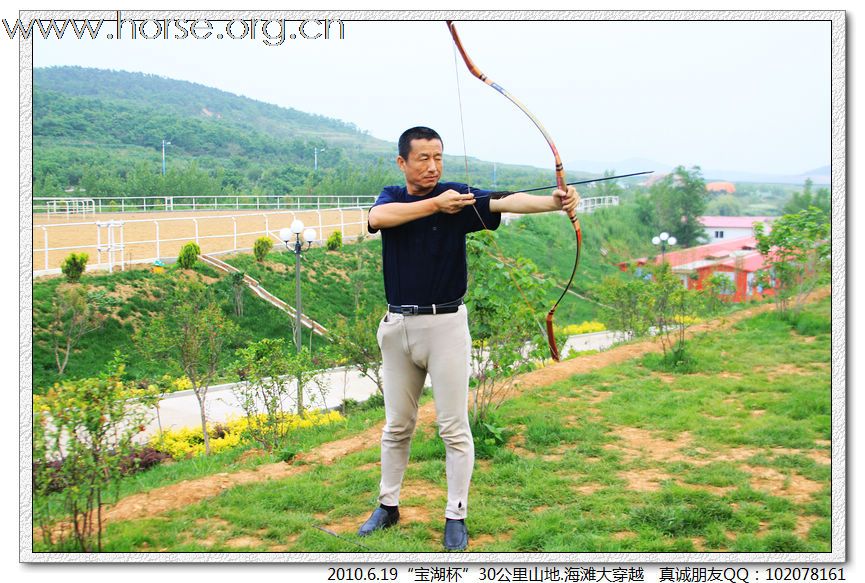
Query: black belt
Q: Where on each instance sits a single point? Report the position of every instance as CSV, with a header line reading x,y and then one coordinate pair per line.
x,y
413,310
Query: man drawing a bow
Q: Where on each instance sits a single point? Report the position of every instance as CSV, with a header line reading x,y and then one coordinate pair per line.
x,y
424,226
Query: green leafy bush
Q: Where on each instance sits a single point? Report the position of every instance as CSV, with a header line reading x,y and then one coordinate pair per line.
x,y
488,436
74,265
334,241
261,248
188,255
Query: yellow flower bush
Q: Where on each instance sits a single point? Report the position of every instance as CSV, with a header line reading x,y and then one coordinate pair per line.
x,y
584,328
181,384
189,441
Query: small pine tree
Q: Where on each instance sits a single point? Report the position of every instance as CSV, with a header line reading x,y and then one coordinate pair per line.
x,y
334,241
74,265
188,255
261,248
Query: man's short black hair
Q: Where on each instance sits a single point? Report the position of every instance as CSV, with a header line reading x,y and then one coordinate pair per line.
x,y
416,133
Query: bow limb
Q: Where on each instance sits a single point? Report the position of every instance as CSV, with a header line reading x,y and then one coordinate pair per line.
x,y
560,176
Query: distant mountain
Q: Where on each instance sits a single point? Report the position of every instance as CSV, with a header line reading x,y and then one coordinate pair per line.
x,y
626,166
821,176
143,98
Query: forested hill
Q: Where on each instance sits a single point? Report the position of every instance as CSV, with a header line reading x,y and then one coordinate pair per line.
x,y
150,94
101,132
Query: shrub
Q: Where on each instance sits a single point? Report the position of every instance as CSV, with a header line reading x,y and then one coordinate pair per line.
x,y
261,248
488,436
334,241
188,255
83,439
74,265
189,442
584,328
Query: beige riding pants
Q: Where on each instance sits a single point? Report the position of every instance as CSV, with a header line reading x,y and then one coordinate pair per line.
x,y
411,346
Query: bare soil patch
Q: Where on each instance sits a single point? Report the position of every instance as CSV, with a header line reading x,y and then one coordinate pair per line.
x,y
794,487
244,542
637,443
586,489
804,524
599,396
485,539
647,480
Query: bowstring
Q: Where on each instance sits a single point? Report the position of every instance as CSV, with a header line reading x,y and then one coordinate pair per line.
x,y
501,255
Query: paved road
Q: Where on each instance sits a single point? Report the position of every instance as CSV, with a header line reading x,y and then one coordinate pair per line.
x,y
181,409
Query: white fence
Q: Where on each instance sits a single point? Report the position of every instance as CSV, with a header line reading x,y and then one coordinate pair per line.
x,y
65,206
587,205
132,204
116,241
112,244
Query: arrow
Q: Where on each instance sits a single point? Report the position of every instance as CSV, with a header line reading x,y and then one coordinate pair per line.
x,y
504,193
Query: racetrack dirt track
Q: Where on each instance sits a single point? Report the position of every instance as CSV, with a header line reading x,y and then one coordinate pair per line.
x,y
143,237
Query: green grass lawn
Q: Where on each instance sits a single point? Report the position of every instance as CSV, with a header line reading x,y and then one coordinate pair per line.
x,y
731,457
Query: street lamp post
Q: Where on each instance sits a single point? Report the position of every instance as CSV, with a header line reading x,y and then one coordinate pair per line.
x,y
315,165
164,143
663,240
286,235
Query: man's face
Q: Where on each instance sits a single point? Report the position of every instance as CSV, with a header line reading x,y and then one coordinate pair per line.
x,y
424,166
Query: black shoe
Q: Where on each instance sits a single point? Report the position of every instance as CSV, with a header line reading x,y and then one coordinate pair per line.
x,y
379,520
456,535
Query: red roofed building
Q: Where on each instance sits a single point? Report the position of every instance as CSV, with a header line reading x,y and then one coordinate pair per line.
x,y
736,259
727,187
725,228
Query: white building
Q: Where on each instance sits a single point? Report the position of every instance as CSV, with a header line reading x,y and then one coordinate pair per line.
x,y
727,228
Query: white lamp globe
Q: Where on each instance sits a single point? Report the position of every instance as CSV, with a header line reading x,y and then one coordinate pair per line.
x,y
664,236
285,235
309,235
656,240
297,226
671,240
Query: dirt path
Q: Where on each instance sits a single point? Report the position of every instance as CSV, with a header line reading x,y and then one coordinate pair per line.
x,y
174,496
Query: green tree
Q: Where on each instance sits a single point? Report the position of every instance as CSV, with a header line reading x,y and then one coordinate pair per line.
x,y
261,248
355,343
188,255
626,304
83,434
807,198
726,205
507,336
718,288
798,249
74,315
652,300
673,310
677,202
238,287
267,370
74,265
190,335
607,187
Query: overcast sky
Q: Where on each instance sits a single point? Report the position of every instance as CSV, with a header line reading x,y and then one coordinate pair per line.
x,y
729,95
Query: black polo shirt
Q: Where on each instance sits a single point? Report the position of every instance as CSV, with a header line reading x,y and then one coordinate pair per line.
x,y
424,261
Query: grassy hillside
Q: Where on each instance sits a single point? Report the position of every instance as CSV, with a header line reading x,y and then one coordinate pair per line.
x,y
333,282
602,454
